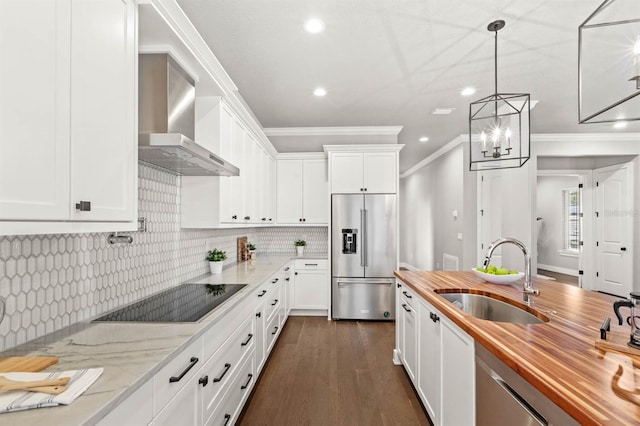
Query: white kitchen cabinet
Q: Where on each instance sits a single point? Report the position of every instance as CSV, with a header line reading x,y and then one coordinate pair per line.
x,y
69,135
374,171
439,358
310,285
302,191
409,318
428,383
228,201
458,376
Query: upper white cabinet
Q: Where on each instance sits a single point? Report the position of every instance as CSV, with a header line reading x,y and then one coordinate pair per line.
x,y
363,168
68,157
302,189
228,201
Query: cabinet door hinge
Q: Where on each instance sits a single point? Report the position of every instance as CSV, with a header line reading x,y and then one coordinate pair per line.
x,y
597,274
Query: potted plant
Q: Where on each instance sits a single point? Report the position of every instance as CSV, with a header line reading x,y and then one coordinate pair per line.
x,y
216,260
252,250
300,244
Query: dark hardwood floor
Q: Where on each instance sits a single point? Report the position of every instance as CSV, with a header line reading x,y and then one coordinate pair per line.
x,y
333,373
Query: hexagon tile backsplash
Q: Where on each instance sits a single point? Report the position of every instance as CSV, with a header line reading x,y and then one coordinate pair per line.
x,y
53,281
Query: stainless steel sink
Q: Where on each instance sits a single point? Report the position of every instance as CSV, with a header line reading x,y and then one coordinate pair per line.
x,y
488,308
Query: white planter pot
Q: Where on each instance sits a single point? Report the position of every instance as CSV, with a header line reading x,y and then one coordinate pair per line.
x,y
216,267
300,250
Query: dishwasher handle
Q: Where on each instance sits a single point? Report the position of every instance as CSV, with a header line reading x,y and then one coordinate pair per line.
x,y
520,400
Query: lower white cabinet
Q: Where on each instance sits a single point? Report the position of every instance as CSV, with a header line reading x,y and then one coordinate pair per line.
x,y
439,358
310,285
209,382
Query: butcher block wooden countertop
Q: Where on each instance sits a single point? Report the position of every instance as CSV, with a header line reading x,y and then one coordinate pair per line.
x,y
558,357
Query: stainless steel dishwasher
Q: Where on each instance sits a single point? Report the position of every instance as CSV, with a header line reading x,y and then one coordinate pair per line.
x,y
503,398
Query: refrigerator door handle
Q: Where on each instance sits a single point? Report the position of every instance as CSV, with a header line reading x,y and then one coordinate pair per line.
x,y
363,238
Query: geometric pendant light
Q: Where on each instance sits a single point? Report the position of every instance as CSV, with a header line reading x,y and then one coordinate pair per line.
x,y
499,133
609,63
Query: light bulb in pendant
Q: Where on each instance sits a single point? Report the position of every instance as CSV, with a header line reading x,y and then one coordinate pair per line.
x,y
507,135
496,137
483,138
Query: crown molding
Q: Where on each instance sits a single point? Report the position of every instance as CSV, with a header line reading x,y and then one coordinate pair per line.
x,y
333,131
301,156
585,137
439,153
363,148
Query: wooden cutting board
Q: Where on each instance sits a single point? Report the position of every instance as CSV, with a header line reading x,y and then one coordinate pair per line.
x,y
26,363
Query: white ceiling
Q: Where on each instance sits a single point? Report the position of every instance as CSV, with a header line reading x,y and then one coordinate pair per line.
x,y
392,62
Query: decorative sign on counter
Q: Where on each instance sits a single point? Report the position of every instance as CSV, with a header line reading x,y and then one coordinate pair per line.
x,y
243,251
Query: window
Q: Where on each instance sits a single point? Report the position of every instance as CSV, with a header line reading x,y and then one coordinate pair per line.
x,y
572,224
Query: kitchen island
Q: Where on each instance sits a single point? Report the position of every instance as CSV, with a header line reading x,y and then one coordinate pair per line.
x,y
557,357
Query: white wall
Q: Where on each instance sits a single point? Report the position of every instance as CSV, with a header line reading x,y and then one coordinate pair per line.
x,y
550,238
428,198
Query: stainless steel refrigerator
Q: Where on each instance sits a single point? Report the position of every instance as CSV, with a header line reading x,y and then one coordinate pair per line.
x,y
363,256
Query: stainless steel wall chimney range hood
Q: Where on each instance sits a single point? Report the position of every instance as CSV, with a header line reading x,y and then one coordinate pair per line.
x,y
166,120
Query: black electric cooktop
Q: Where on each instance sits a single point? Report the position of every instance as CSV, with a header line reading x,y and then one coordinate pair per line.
x,y
184,303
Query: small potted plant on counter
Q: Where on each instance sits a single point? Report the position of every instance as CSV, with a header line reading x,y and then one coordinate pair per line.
x,y
300,244
216,260
252,250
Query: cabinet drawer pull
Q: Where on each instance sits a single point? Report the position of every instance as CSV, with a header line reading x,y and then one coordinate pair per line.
x,y
259,315
275,302
407,294
263,293
227,417
287,279
247,218
406,309
84,206
275,280
203,381
235,216
193,361
246,385
226,368
275,330
246,342
434,317
264,219
398,284
310,264
287,269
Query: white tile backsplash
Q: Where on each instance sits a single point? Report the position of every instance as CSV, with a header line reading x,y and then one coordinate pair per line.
x,y
52,281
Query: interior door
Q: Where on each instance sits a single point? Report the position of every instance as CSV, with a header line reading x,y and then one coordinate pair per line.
x,y
490,215
614,233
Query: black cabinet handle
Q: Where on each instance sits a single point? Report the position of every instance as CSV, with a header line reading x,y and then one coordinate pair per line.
x,y
193,361
295,273
226,368
247,218
249,337
227,417
405,308
304,220
264,219
287,279
287,269
275,302
246,385
263,293
259,315
361,189
235,216
270,219
203,381
275,330
84,206
310,264
407,294
398,284
275,280
300,220
365,189
623,249
434,317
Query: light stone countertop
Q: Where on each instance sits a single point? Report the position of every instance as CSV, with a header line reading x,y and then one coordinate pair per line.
x,y
130,353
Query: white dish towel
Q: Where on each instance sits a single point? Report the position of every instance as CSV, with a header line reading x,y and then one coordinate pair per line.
x,y
23,400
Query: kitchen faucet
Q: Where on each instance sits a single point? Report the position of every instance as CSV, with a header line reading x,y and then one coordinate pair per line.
x,y
527,287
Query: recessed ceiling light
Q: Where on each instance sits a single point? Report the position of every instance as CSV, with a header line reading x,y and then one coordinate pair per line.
x,y
468,91
442,111
424,139
320,92
620,125
314,26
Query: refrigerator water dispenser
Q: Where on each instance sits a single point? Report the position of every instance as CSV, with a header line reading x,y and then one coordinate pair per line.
x,y
349,241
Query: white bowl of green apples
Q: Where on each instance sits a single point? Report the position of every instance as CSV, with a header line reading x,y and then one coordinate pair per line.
x,y
497,275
